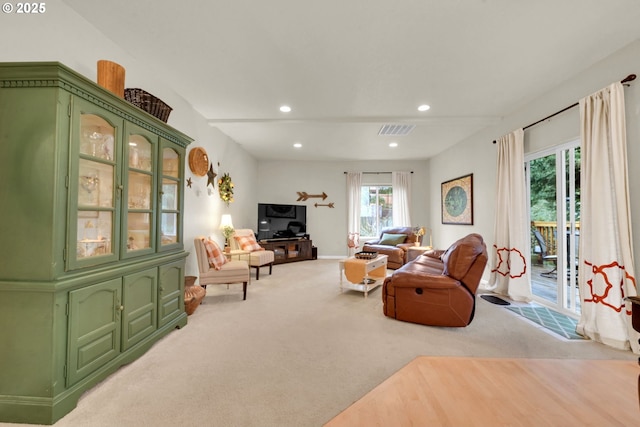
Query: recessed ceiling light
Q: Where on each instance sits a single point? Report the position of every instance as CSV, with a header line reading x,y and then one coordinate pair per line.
x,y
285,109
423,107
393,144
297,145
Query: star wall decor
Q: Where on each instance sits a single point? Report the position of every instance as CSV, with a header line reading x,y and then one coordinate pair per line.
x,y
189,182
211,176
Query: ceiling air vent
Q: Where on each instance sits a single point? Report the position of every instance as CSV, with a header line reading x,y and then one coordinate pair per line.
x,y
396,130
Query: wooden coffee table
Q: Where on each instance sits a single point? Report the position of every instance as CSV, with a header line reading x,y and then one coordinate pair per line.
x,y
362,274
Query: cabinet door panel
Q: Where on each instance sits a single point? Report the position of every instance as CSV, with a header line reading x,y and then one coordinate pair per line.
x,y
91,240
93,232
171,291
97,137
139,318
95,184
171,197
138,214
169,228
139,231
139,191
94,328
305,249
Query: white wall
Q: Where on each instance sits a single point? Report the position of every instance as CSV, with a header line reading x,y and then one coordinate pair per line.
x,y
203,207
62,35
477,154
281,180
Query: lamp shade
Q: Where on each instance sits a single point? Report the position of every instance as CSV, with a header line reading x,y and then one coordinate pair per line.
x,y
225,221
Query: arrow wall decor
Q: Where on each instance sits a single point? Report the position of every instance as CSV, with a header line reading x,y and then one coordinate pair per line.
x,y
329,205
303,196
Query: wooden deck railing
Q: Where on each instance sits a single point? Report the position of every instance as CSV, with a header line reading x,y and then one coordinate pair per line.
x,y
548,230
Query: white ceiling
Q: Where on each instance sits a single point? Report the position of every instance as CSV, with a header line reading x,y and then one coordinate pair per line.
x,y
346,67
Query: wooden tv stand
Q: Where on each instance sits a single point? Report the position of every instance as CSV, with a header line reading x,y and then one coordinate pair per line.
x,y
288,249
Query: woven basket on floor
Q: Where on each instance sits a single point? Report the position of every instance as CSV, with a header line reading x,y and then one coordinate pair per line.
x,y
147,102
193,294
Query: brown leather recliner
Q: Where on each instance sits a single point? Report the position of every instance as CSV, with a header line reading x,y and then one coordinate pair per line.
x,y
438,288
397,254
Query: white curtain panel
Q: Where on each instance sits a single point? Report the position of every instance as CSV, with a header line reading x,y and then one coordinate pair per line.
x,y
401,182
510,254
354,188
606,272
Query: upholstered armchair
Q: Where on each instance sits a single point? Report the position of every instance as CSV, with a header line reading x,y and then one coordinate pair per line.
x,y
393,242
216,269
244,239
438,288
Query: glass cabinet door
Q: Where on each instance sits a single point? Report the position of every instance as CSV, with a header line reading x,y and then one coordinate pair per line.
x,y
94,181
125,189
170,193
139,188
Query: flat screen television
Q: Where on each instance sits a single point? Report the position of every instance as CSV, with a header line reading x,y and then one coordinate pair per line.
x,y
278,220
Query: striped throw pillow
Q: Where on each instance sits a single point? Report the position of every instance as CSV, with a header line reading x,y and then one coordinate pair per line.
x,y
214,254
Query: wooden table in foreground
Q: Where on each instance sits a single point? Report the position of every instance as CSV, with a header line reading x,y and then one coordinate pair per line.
x,y
450,391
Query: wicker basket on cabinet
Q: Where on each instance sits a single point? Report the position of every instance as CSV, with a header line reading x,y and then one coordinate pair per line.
x,y
147,102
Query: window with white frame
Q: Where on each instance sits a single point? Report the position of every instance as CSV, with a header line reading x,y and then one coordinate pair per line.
x,y
376,212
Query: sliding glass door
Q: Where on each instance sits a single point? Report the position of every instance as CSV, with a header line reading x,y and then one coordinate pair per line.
x,y
553,179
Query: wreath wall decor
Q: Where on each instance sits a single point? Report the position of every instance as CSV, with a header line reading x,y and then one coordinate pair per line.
x,y
225,188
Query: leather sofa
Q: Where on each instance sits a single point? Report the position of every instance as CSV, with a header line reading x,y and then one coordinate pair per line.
x,y
396,252
438,288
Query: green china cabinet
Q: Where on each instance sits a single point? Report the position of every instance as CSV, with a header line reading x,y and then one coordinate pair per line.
x,y
92,256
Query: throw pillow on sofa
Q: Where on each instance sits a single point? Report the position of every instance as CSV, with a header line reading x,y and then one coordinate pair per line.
x,y
392,239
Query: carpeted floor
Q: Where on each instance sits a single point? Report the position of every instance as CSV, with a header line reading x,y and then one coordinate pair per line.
x,y
295,353
551,320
